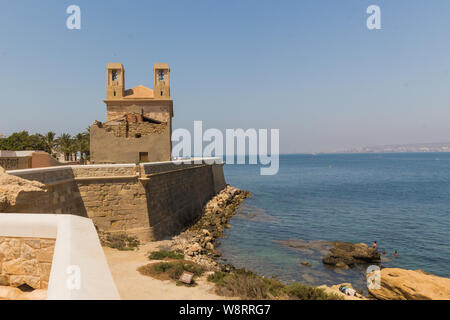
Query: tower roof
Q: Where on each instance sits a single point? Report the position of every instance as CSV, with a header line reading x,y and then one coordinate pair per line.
x,y
161,66
114,65
139,92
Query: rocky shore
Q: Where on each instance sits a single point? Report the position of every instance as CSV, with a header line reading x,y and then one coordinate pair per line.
x,y
395,283
401,284
199,242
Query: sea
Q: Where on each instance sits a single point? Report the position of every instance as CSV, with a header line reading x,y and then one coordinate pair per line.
x,y
400,200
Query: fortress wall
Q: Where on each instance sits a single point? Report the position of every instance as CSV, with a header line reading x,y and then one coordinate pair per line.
x,y
116,205
151,200
45,175
218,177
62,198
176,199
59,196
114,198
165,166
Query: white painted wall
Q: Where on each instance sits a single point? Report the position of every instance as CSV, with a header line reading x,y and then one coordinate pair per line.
x,y
77,244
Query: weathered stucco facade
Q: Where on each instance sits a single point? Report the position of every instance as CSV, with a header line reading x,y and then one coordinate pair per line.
x,y
138,123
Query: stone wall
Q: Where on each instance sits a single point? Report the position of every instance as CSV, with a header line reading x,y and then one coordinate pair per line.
x,y
117,206
134,130
145,128
13,163
125,147
151,200
25,261
176,199
62,194
161,110
34,159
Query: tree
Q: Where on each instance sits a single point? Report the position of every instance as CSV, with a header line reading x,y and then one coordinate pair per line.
x,y
64,142
82,144
73,150
19,141
50,142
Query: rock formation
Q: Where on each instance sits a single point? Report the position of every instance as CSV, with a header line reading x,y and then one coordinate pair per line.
x,y
401,284
345,254
199,241
319,247
11,186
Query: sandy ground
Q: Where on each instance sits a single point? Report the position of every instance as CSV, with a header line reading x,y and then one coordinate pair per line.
x,y
132,285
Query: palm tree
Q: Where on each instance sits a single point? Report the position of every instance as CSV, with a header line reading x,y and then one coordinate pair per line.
x,y
82,142
64,142
73,150
50,142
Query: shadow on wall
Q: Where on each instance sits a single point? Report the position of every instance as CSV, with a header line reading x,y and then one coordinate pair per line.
x,y
59,193
176,203
151,201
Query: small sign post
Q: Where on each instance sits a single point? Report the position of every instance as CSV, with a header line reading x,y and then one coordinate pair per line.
x,y
186,277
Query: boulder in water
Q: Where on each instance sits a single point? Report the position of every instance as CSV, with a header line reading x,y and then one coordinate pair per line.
x,y
348,254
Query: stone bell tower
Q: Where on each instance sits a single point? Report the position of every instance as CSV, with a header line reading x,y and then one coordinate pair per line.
x,y
161,81
115,83
138,124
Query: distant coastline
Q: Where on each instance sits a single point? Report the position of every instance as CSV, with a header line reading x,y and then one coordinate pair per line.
x,y
397,148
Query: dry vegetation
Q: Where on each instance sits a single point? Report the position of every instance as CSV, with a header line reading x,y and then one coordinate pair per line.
x,y
172,270
248,285
120,241
164,254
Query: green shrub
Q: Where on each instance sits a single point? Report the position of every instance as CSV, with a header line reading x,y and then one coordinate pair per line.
x,y
121,241
171,270
248,285
217,278
162,254
304,292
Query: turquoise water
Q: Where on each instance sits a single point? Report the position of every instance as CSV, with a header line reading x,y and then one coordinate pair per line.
x,y
400,200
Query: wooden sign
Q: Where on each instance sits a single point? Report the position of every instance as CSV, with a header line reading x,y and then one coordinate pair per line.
x,y
186,277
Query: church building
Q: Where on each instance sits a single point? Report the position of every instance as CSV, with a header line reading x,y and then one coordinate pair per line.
x,y
138,123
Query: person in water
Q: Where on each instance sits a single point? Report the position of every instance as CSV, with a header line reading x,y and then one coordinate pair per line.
x,y
374,245
383,252
395,253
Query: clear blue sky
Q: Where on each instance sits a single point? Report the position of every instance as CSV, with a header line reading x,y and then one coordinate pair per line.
x,y
310,68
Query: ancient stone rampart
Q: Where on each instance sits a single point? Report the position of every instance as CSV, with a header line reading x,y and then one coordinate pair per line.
x,y
150,200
